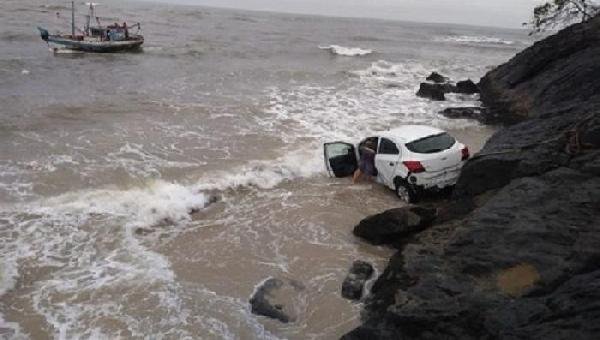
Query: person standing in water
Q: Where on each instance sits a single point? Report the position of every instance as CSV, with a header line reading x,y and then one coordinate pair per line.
x,y
366,165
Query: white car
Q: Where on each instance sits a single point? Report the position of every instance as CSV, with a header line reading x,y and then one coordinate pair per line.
x,y
410,159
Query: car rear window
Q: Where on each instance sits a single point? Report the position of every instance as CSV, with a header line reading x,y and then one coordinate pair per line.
x,y
432,144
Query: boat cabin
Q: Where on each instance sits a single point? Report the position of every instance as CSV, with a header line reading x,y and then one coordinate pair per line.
x,y
109,33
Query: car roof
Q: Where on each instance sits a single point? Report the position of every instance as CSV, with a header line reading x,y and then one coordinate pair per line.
x,y
409,133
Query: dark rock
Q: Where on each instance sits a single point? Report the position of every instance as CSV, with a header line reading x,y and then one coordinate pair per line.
x,y
261,304
588,164
276,298
435,91
501,272
362,269
466,87
395,224
467,112
559,73
366,332
530,148
436,78
590,138
143,231
354,283
432,91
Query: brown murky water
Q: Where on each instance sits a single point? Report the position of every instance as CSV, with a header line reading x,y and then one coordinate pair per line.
x,y
103,157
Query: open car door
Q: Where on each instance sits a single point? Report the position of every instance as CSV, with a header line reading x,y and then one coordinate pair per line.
x,y
340,159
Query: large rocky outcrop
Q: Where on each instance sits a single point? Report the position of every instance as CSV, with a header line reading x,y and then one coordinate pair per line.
x,y
550,95
560,73
503,271
520,258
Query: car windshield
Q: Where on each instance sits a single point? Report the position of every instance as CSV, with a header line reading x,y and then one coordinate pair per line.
x,y
431,144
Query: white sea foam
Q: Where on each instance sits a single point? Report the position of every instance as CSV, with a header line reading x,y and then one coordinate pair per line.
x,y
467,39
233,307
307,116
140,206
330,113
8,274
294,164
346,51
11,330
139,162
59,50
88,237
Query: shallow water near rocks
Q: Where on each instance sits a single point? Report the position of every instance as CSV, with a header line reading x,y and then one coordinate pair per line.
x,y
103,157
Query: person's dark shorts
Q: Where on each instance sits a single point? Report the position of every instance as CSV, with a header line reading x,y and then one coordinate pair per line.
x,y
367,168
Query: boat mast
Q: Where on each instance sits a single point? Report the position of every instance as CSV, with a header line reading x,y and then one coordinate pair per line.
x,y
73,19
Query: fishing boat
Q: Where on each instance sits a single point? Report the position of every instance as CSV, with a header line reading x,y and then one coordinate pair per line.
x,y
96,37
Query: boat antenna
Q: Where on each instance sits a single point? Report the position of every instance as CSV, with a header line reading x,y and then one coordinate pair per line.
x,y
73,19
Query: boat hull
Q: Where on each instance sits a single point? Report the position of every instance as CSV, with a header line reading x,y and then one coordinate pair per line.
x,y
97,46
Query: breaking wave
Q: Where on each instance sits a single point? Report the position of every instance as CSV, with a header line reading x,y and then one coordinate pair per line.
x,y
346,51
156,202
467,39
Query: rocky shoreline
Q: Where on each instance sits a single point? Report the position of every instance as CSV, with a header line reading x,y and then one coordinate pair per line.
x,y
515,252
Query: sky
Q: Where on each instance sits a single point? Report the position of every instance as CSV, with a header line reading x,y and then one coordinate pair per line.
x,y
501,13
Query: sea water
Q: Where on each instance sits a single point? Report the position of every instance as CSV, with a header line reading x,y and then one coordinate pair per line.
x,y
147,194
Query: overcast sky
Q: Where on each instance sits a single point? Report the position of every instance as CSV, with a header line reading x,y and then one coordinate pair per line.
x,y
503,13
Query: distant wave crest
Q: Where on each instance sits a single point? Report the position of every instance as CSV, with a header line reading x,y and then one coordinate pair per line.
x,y
346,51
466,39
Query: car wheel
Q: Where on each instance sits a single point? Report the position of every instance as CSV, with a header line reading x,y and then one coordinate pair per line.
x,y
405,193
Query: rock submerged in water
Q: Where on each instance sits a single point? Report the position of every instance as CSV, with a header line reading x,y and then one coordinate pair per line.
x,y
394,225
432,91
466,87
465,112
277,299
354,283
441,86
438,91
436,77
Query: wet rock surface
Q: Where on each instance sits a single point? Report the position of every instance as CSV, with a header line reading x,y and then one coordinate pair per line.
x,y
520,258
433,91
466,87
277,299
501,271
354,283
436,78
441,85
465,112
559,73
393,226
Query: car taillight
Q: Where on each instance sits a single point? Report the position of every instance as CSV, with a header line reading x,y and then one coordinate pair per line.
x,y
414,166
465,153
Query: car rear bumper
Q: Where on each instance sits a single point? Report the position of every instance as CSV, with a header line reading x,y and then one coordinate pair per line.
x,y
435,180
